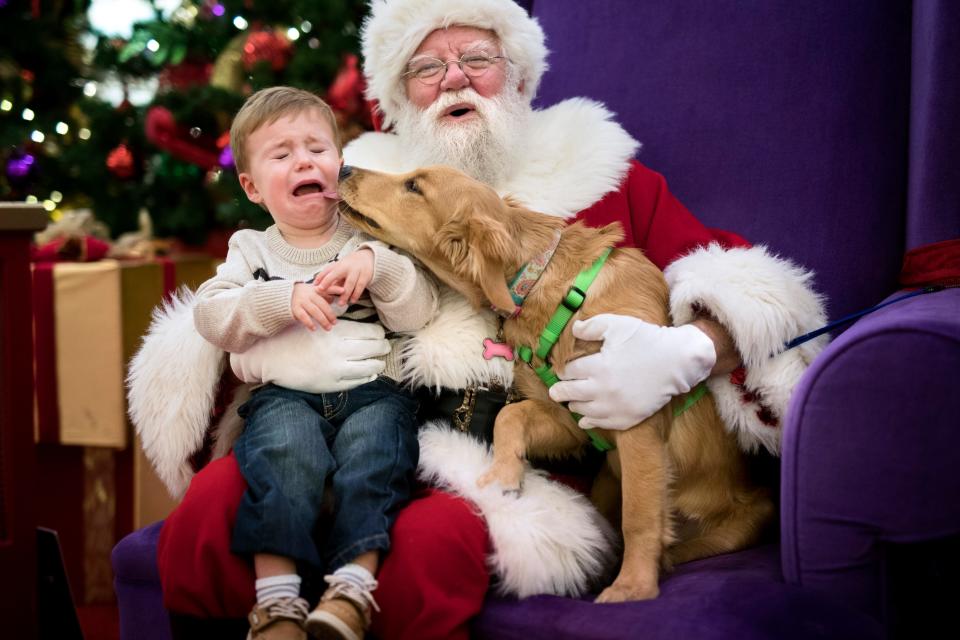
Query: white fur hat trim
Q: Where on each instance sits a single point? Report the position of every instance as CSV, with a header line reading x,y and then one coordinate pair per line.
x,y
394,30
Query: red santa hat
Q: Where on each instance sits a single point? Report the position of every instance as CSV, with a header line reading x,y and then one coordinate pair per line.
x,y
394,30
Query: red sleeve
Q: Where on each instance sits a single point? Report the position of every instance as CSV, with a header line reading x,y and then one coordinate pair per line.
x,y
653,219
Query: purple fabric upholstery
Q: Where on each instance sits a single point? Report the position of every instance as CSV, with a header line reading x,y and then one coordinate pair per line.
x,y
738,596
825,130
934,196
783,121
870,451
137,585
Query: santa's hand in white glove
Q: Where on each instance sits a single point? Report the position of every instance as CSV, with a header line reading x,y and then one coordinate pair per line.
x,y
315,361
639,368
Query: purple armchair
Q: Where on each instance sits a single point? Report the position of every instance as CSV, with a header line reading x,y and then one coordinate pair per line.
x,y
825,130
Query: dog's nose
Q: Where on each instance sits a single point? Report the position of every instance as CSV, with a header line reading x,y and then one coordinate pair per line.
x,y
345,171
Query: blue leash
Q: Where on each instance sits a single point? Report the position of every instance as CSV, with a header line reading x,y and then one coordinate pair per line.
x,y
853,316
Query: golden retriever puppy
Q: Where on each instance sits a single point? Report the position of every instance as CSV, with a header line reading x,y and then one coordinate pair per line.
x,y
685,472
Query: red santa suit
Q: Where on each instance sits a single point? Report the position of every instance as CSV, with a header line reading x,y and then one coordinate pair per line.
x,y
577,163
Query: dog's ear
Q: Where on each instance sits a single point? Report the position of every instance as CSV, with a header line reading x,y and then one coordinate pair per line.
x,y
494,285
477,246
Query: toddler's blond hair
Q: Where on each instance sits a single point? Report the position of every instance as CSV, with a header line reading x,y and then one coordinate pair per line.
x,y
267,106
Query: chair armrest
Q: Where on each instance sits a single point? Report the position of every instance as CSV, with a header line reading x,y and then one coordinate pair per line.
x,y
137,585
870,449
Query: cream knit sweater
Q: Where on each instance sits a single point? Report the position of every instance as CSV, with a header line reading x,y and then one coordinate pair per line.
x,y
234,309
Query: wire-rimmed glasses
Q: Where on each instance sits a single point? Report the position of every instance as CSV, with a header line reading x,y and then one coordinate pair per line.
x,y
432,70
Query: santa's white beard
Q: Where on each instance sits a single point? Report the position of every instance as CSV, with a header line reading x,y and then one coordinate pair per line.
x,y
482,147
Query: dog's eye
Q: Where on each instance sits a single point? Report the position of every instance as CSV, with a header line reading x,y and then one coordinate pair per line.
x,y
411,186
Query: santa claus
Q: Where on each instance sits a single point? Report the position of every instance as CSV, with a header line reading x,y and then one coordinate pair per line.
x,y
454,81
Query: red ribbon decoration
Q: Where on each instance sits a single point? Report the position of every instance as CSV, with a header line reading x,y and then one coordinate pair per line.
x,y
163,131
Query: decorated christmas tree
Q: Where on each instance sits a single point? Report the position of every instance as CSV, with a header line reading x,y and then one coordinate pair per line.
x,y
68,144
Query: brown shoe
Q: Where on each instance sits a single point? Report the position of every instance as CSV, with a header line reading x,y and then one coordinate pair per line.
x,y
343,612
278,619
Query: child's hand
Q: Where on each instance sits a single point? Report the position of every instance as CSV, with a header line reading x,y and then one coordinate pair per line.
x,y
349,277
308,306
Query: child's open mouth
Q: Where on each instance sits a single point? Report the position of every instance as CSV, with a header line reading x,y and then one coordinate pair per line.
x,y
310,188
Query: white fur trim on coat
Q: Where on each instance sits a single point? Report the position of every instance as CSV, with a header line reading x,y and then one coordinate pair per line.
x,y
448,352
172,384
394,30
547,540
764,301
573,155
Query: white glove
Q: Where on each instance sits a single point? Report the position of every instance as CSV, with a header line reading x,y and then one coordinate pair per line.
x,y
637,370
315,361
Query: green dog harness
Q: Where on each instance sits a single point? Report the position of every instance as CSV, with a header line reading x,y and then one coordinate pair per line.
x,y
570,304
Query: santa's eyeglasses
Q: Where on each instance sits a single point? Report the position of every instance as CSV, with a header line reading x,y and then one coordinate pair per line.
x,y
473,64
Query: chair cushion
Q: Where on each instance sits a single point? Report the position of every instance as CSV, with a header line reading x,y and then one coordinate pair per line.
x,y
740,595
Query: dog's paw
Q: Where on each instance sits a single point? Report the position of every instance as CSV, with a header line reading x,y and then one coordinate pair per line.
x,y
485,479
618,592
509,477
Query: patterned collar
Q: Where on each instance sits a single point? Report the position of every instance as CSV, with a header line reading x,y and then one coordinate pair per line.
x,y
527,277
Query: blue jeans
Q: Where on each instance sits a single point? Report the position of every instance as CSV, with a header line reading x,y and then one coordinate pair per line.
x,y
364,439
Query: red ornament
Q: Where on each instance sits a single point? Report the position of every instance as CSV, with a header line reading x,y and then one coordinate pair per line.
x,y
185,75
266,46
120,162
346,91
345,95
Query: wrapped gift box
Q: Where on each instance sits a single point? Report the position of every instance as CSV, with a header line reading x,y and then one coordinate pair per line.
x,y
79,343
95,485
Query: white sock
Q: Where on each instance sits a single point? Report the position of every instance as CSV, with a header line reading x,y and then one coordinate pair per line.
x,y
356,575
282,586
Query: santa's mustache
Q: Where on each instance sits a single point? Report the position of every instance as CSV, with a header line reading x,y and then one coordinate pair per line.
x,y
463,96
481,146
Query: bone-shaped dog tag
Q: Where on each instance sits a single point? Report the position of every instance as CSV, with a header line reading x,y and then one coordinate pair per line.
x,y
493,350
